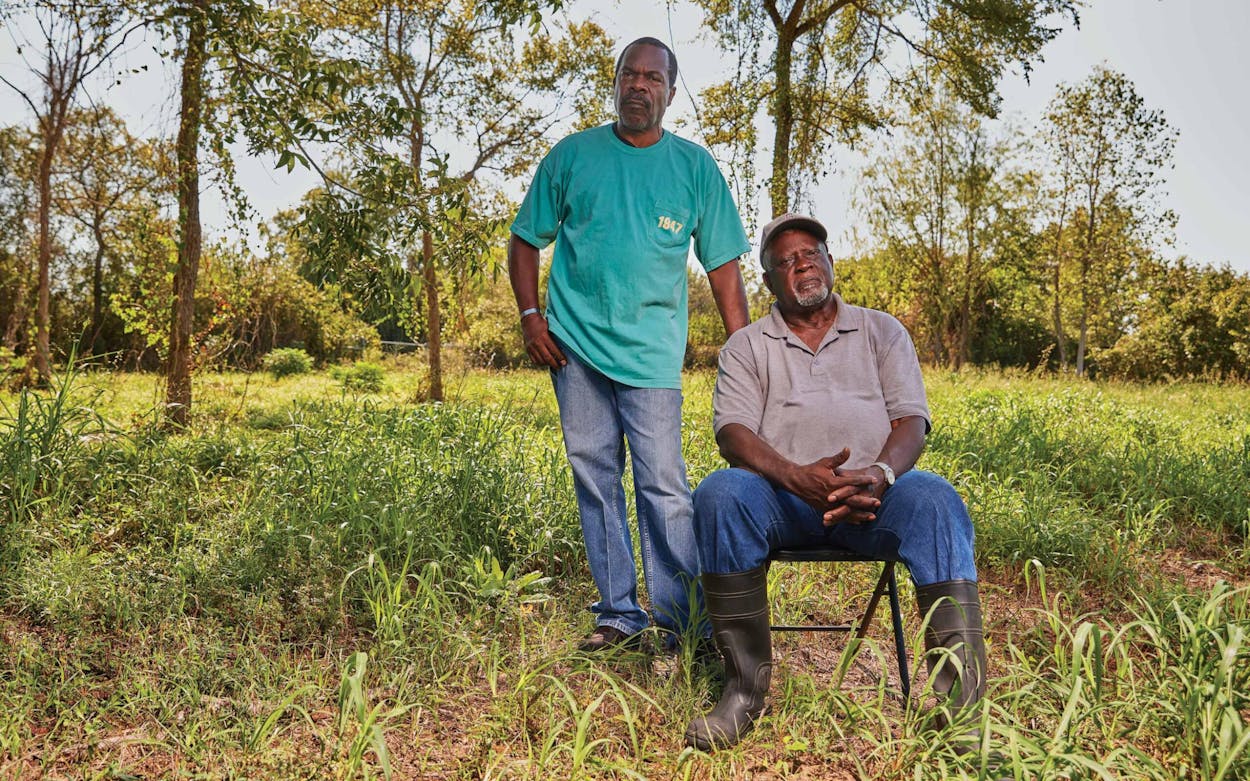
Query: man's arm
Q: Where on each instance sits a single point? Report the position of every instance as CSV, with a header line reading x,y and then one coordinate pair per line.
x,y
901,450
523,274
818,483
730,296
905,444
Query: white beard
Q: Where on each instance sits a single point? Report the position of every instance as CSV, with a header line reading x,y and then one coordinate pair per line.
x,y
814,298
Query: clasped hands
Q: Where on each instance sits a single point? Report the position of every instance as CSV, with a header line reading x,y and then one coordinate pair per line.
x,y
840,495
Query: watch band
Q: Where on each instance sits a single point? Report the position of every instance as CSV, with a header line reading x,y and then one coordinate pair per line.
x,y
889,472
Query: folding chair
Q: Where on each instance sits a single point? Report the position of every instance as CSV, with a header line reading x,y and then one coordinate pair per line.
x,y
886,585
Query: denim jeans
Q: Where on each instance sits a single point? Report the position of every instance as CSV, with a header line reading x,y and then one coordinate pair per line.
x,y
922,522
598,416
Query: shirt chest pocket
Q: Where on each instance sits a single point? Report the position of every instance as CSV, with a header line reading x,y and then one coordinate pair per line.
x,y
670,225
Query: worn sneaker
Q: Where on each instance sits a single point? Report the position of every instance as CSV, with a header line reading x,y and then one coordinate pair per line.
x,y
606,638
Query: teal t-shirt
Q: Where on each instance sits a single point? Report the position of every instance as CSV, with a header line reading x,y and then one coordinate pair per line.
x,y
622,219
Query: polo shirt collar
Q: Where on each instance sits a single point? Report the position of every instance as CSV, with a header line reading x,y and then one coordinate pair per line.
x,y
848,320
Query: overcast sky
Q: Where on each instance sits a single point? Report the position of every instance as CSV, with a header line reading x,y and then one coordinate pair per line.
x,y
1182,55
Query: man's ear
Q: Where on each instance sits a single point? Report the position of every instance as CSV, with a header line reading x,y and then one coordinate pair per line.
x,y
768,283
672,93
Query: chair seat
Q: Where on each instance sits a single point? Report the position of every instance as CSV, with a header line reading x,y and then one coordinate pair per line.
x,y
887,585
830,553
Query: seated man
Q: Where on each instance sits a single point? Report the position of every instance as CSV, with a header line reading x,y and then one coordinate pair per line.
x,y
820,411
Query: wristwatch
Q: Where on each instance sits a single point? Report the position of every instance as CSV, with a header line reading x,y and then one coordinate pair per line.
x,y
889,473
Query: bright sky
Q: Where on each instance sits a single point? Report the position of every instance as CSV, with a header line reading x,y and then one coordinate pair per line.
x,y
1182,55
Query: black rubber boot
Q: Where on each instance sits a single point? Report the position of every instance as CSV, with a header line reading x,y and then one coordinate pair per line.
x,y
737,603
955,625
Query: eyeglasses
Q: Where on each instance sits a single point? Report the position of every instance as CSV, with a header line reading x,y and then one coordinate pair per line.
x,y
807,255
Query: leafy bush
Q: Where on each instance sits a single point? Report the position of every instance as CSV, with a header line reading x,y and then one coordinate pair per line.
x,y
286,361
247,308
14,369
492,335
1194,322
361,376
706,332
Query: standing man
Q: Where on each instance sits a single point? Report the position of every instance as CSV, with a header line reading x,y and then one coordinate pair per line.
x,y
820,410
622,203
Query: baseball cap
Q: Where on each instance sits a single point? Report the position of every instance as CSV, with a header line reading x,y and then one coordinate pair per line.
x,y
786,222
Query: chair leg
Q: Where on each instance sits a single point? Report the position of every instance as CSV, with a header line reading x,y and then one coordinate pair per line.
x,y
900,646
887,585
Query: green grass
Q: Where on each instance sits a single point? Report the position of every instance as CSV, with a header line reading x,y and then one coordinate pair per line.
x,y
326,582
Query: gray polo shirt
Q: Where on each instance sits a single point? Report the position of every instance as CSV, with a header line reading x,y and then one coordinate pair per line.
x,y
807,405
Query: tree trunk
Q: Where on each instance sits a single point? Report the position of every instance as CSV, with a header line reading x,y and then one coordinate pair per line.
x,y
434,326
1057,313
15,328
97,290
178,379
1087,260
1081,338
783,113
1080,347
43,348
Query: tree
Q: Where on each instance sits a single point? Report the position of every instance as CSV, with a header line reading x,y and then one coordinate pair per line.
x,y
434,75
18,156
225,48
190,232
106,176
826,70
1109,154
943,199
77,39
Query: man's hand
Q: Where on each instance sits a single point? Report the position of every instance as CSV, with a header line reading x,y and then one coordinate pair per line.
x,y
523,274
827,489
859,505
541,347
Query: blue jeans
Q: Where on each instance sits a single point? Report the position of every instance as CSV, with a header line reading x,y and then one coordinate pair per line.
x,y
922,522
598,416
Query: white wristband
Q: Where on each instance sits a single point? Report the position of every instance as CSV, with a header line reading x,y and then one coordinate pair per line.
x,y
527,312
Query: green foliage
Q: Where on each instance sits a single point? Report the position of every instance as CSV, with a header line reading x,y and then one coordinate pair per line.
x,y
425,76
821,70
706,330
286,361
13,369
40,438
491,330
1108,154
361,376
247,306
1190,322
1080,479
947,206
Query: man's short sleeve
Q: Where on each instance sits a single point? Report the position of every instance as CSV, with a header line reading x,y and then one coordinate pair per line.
x,y
902,384
718,236
538,219
740,391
